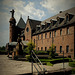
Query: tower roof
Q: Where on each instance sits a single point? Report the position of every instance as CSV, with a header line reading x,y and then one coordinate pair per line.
x,y
21,24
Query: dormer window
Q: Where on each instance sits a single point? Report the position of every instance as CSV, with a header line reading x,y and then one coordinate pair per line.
x,y
50,25
47,24
53,22
68,17
42,26
59,20
37,27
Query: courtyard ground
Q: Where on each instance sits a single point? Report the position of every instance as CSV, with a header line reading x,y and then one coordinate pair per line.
x,y
13,67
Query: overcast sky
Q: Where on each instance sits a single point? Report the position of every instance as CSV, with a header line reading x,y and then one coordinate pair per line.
x,y
35,9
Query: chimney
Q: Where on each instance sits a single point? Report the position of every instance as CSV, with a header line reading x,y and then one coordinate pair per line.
x,y
60,12
28,17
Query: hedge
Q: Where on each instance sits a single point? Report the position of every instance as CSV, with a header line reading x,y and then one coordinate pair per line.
x,y
53,61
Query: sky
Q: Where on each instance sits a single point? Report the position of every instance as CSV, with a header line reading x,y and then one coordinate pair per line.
x,y
35,9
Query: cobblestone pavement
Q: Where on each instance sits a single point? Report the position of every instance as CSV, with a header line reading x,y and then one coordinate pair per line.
x,y
13,67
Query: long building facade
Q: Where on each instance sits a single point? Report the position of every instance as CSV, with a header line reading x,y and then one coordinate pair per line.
x,y
58,30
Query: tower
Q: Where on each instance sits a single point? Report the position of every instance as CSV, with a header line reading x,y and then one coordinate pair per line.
x,y
12,27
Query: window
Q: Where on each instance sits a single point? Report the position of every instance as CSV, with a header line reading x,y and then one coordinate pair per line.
x,y
45,35
67,18
34,41
67,30
60,49
50,34
55,33
55,48
41,48
45,48
38,37
67,49
38,48
60,31
41,36
23,37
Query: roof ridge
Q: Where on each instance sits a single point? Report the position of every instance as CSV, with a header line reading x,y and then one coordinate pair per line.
x,y
34,20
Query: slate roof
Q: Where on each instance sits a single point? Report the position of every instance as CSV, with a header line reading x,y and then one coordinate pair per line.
x,y
33,23
60,15
15,43
25,43
21,24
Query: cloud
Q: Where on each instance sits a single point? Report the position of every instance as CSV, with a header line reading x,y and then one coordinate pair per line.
x,y
4,28
26,9
55,6
4,37
20,7
30,8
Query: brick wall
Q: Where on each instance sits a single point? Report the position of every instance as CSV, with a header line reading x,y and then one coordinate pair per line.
x,y
59,40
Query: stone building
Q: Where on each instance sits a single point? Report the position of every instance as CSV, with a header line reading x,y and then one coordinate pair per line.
x,y
58,30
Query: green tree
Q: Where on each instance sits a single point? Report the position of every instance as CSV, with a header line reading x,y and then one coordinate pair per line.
x,y
2,48
52,51
30,46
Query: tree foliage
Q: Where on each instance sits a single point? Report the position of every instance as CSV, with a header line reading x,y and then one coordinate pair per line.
x,y
2,48
52,51
30,46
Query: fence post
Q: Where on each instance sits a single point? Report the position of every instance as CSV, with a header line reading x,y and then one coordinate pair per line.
x,y
31,63
63,59
32,67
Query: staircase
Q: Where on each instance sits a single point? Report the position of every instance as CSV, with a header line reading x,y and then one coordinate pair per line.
x,y
40,68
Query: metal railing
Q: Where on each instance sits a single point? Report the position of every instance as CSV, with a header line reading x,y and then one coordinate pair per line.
x,y
38,62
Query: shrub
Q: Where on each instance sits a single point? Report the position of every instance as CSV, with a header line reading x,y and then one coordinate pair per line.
x,y
70,60
53,61
73,71
28,57
30,47
56,54
49,64
15,57
52,51
40,52
72,64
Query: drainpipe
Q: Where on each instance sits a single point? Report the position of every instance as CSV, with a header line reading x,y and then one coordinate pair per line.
x,y
52,40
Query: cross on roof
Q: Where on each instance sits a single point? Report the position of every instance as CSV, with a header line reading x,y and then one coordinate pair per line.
x,y
12,13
